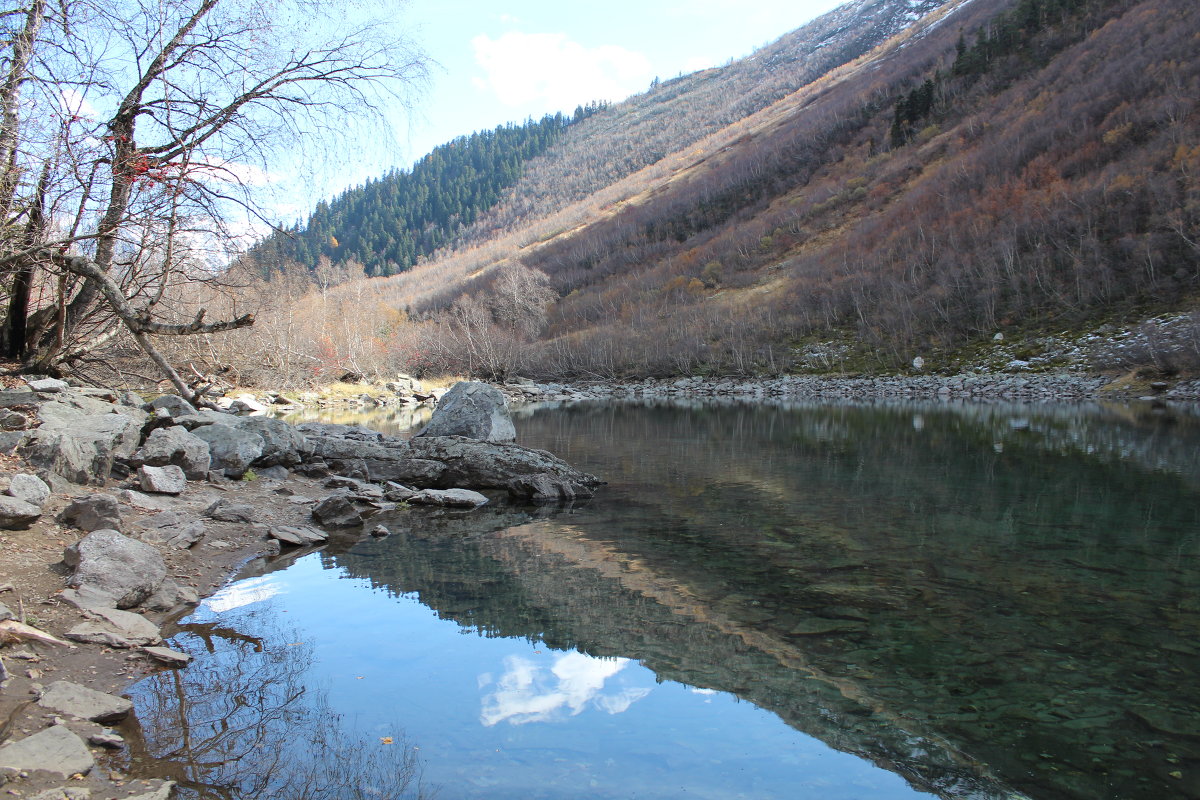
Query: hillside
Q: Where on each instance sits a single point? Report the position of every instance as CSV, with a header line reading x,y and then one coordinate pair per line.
x,y
997,167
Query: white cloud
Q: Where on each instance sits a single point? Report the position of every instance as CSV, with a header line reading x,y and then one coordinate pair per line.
x,y
74,102
528,692
553,72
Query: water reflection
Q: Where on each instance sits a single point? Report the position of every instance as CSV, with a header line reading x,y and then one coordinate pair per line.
x,y
989,602
527,692
247,719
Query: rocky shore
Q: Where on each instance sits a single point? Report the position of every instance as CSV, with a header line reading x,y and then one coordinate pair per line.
x,y
116,516
1031,387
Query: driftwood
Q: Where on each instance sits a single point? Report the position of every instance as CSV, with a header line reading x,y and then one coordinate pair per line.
x,y
11,629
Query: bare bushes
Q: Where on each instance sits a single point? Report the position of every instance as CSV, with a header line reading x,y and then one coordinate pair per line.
x,y
1169,345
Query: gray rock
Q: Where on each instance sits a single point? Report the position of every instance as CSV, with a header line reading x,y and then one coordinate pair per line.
x,y
275,473
172,528
88,598
377,461
79,701
449,498
18,397
132,399
380,531
340,511
108,562
298,536
163,792
81,448
5,612
113,628
171,595
474,410
16,513
547,487
225,511
175,445
13,420
54,749
48,385
232,449
64,793
11,441
282,443
162,480
168,656
247,403
483,465
106,739
174,404
92,512
145,502
30,488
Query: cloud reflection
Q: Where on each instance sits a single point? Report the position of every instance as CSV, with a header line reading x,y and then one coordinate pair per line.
x,y
529,692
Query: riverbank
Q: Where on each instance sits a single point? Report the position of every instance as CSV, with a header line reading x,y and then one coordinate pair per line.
x,y
117,516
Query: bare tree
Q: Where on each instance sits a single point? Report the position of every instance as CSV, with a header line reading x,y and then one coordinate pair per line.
x,y
128,130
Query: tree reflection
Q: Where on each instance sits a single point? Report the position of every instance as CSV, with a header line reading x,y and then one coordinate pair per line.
x,y
243,723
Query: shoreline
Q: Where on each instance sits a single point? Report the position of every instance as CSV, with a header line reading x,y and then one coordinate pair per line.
x,y
32,575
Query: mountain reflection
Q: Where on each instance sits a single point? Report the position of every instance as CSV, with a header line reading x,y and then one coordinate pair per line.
x,y
981,619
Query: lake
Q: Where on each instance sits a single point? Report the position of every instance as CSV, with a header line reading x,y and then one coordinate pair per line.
x,y
788,601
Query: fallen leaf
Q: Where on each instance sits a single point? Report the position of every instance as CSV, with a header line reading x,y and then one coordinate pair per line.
x,y
386,740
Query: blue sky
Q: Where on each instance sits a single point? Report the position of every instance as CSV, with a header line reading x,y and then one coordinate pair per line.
x,y
498,62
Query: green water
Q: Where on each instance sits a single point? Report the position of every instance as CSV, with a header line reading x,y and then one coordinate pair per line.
x,y
808,601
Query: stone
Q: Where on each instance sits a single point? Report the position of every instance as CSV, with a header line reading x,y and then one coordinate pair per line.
x,y
79,701
282,443
168,656
277,472
132,399
11,441
247,403
338,511
298,536
474,410
88,598
108,562
225,511
164,792
13,420
175,405
5,613
30,488
172,595
106,739
48,385
18,397
450,498
114,628
547,487
81,448
16,514
55,749
232,449
92,512
172,528
64,793
475,464
162,480
380,531
142,501
176,446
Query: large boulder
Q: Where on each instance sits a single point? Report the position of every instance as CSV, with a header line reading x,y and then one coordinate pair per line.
x,y
16,513
81,448
29,488
162,480
474,464
378,461
232,448
93,512
175,446
282,443
474,410
126,569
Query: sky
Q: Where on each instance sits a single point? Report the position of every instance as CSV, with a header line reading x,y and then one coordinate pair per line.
x,y
498,62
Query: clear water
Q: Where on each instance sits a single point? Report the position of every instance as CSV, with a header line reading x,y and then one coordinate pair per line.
x,y
816,601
